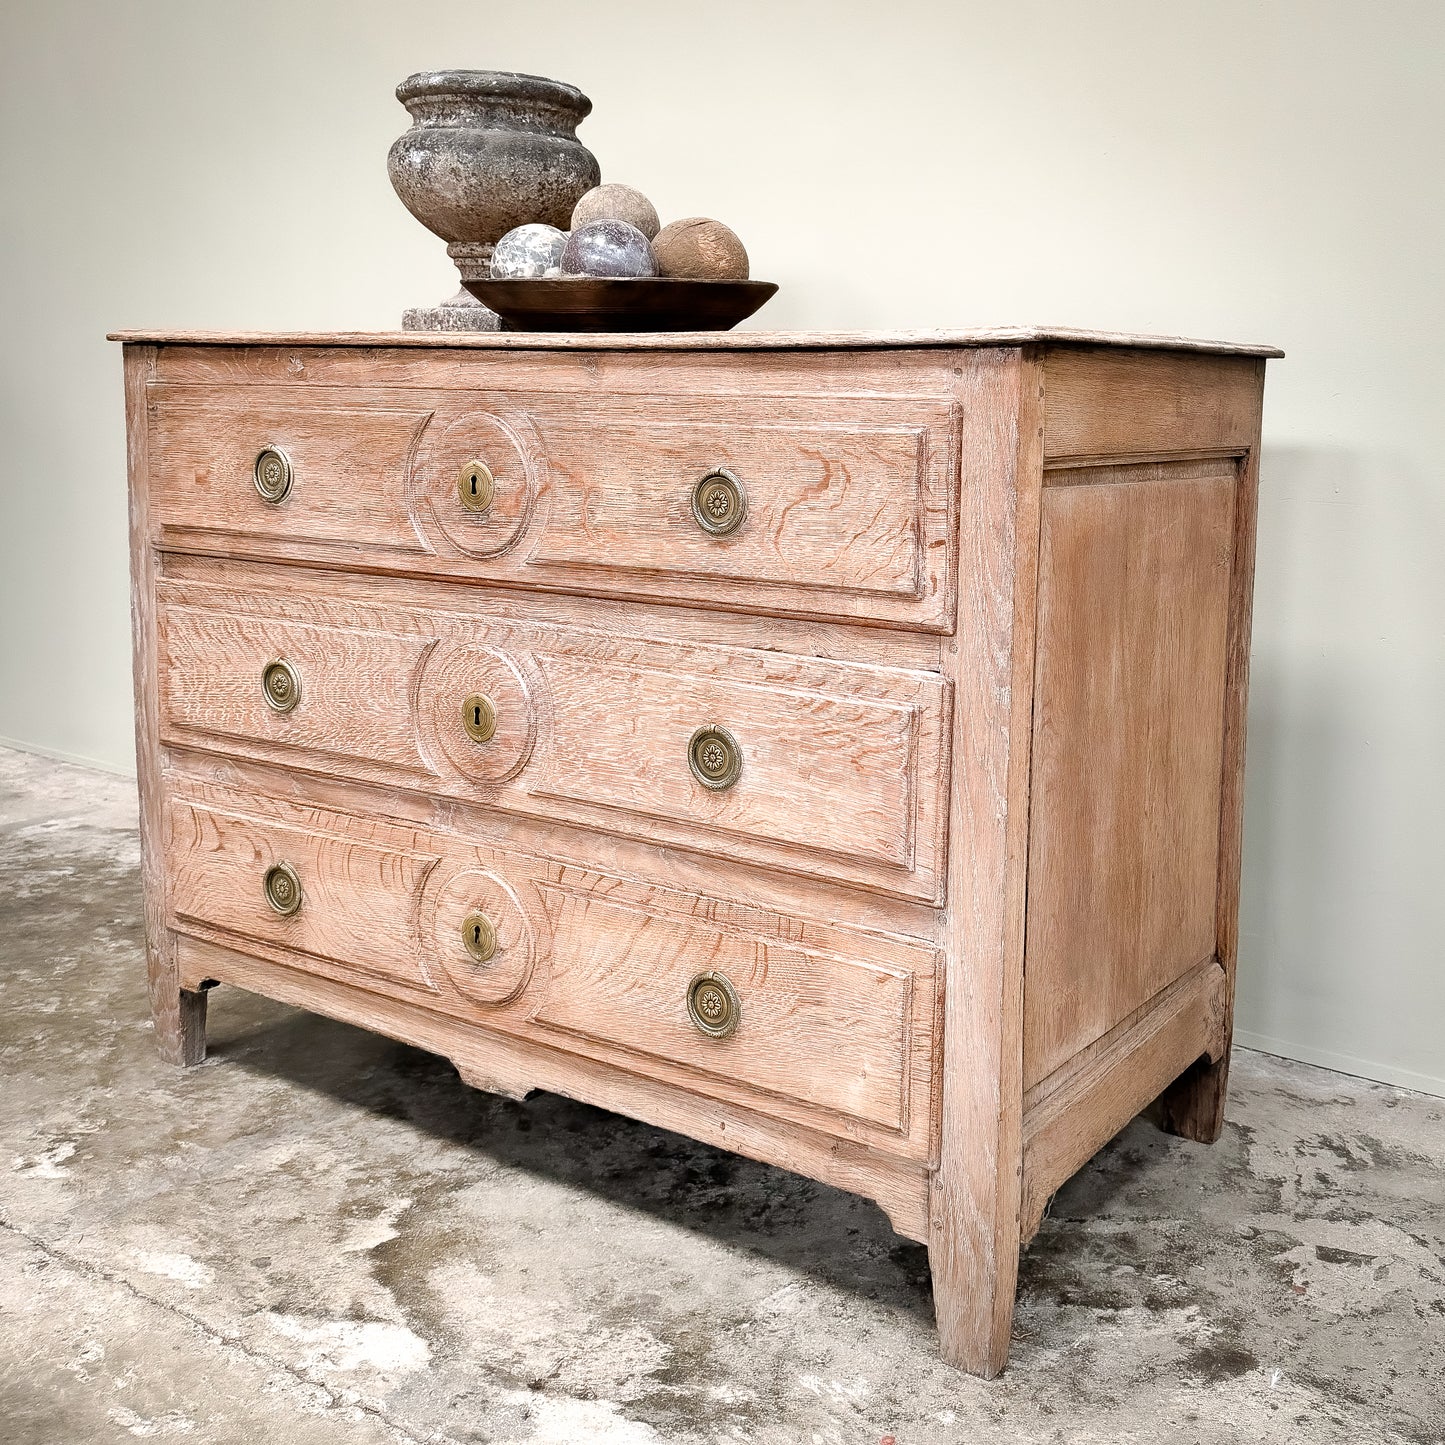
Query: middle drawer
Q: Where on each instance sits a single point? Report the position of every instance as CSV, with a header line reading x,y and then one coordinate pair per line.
x,y
826,768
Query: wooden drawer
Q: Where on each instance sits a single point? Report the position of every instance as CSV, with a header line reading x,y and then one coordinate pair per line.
x,y
847,500
834,1026
843,765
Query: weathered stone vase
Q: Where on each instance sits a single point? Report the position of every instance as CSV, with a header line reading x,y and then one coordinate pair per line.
x,y
487,150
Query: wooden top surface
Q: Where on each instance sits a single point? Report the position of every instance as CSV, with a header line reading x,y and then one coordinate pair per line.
x,y
696,340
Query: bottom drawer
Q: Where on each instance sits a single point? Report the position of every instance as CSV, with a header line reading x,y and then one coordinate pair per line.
x,y
827,1025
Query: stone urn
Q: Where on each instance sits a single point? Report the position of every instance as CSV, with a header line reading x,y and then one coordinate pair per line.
x,y
487,150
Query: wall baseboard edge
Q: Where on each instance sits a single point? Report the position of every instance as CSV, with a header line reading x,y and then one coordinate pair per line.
x,y
77,759
1368,1069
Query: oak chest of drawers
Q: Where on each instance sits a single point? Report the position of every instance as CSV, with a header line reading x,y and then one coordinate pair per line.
x,y
826,746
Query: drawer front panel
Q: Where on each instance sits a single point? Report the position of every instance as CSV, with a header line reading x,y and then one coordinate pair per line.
x,y
835,508
351,467
819,770
845,502
842,767
832,1031
356,686
358,901
834,1025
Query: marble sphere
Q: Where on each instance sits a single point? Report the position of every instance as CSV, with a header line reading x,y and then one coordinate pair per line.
x,y
608,248
700,249
528,251
615,202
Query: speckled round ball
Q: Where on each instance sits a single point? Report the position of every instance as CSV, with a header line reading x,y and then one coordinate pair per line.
x,y
697,249
615,202
527,251
608,248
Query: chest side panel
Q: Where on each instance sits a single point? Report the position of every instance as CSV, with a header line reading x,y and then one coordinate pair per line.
x,y
1139,583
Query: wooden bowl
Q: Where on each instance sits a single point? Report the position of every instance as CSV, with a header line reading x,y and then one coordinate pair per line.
x,y
590,303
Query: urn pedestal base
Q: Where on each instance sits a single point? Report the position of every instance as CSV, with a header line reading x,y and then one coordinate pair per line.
x,y
462,312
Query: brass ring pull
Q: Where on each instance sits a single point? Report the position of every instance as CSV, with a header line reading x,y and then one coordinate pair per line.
x,y
479,937
479,717
476,487
713,1005
281,686
719,503
715,758
282,889
273,474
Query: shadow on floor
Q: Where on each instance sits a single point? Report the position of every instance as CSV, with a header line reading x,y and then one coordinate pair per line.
x,y
832,1236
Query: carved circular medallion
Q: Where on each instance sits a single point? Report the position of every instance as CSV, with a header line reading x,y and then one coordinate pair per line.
x,y
478,711
482,937
472,481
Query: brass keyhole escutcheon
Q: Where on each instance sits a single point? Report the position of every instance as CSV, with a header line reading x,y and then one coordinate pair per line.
x,y
479,717
713,1005
281,686
273,474
719,503
479,937
282,889
476,487
715,758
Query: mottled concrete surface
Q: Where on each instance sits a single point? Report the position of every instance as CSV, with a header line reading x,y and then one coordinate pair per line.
x,y
322,1236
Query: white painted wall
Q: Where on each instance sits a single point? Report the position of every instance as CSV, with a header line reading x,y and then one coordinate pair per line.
x,y
1256,171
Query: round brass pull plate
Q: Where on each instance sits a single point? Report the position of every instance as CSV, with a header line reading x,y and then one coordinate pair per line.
x,y
479,717
715,758
719,503
281,686
479,937
476,487
713,1005
282,888
273,474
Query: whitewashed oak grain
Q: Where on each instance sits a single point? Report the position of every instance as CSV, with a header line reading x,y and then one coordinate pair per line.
x,y
985,646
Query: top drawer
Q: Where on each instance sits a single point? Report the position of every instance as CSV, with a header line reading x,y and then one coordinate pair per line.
x,y
822,506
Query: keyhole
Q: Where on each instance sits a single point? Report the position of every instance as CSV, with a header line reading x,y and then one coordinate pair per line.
x,y
476,487
479,938
479,717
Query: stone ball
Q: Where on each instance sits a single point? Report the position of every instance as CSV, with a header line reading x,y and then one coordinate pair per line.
x,y
608,248
700,249
528,251
616,203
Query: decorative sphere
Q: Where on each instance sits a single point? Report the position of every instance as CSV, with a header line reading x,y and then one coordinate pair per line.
x,y
616,203
699,249
608,248
528,251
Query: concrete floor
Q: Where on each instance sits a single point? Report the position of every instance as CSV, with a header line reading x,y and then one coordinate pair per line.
x,y
322,1236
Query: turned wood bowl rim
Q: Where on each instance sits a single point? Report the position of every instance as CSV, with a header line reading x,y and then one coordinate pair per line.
x,y
621,303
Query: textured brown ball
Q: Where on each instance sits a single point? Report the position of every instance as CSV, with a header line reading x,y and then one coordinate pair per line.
x,y
616,203
698,249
